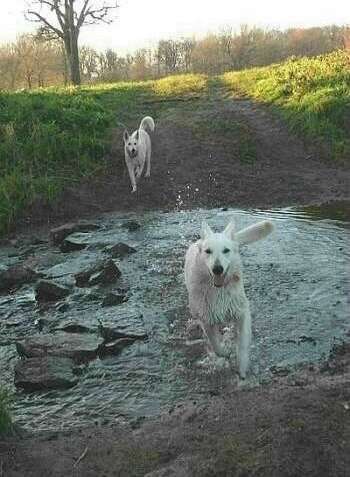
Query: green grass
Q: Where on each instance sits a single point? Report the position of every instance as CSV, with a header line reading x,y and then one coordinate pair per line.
x,y
54,137
312,94
178,85
5,417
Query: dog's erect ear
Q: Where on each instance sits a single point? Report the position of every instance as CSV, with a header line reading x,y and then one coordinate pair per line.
x,y
126,135
137,136
254,232
230,230
206,231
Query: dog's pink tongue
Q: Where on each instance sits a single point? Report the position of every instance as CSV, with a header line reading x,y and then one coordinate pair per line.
x,y
219,280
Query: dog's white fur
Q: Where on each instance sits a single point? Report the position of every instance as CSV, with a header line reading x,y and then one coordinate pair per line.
x,y
219,298
137,148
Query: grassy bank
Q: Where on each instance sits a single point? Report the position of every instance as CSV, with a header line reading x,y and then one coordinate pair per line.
x,y
312,94
52,138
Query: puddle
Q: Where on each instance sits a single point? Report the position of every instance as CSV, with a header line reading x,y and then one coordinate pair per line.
x,y
296,281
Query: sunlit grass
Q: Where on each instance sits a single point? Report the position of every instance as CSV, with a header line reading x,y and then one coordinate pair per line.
x,y
313,94
53,137
179,85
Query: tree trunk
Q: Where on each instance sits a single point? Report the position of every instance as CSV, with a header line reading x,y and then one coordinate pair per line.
x,y
71,44
29,80
74,60
72,55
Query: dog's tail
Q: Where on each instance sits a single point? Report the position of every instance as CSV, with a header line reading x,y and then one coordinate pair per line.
x,y
148,123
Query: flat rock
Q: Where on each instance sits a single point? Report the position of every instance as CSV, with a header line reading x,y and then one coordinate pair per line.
x,y
91,297
104,272
79,347
82,278
120,250
46,291
16,276
131,225
41,374
280,369
75,242
73,327
116,346
112,332
113,299
58,234
109,274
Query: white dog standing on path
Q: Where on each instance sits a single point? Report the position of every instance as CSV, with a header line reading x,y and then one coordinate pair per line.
x,y
138,150
214,281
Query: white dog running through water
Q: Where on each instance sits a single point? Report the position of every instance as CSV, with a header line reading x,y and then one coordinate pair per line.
x,y
138,149
214,281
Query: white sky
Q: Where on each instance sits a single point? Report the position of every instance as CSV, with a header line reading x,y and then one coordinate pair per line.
x,y
140,23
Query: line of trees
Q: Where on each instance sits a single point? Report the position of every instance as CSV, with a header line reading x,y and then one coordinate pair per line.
x,y
36,61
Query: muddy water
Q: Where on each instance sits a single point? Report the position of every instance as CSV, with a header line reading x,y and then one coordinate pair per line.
x,y
296,281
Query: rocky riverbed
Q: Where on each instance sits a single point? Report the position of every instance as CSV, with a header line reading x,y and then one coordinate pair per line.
x,y
94,324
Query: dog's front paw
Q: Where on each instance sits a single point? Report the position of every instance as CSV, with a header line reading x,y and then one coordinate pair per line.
x,y
133,190
148,174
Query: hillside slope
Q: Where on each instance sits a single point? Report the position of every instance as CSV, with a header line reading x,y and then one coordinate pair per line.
x,y
312,94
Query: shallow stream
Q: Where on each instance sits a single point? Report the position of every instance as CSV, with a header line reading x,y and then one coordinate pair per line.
x,y
296,280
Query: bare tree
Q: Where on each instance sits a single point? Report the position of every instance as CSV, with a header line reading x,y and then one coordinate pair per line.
x,y
187,46
64,18
25,49
88,62
169,53
10,64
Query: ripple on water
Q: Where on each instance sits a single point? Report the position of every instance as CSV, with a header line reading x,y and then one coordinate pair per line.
x,y
296,281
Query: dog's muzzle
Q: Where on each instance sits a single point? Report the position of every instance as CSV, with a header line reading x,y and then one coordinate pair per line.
x,y
222,279
218,276
219,281
132,153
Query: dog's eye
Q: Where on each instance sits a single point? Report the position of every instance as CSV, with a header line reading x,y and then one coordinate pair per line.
x,y
129,144
208,251
135,144
226,250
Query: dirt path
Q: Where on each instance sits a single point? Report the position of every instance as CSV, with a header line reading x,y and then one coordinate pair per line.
x,y
210,152
213,152
298,426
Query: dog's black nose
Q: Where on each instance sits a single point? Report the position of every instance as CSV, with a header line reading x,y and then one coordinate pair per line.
x,y
218,269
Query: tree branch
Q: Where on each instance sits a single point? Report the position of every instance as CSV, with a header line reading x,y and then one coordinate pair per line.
x,y
50,4
82,14
41,19
99,14
54,6
59,14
